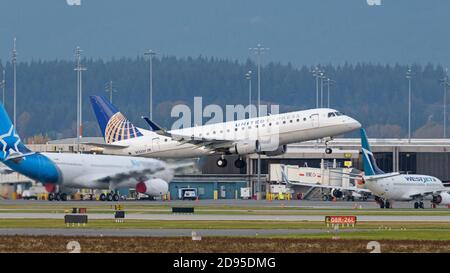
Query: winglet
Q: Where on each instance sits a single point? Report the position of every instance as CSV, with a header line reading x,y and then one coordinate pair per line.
x,y
153,125
156,128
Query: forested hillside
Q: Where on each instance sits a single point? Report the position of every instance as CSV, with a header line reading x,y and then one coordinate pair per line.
x,y
374,94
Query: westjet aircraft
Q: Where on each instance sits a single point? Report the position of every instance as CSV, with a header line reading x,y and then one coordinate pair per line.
x,y
266,135
64,173
388,187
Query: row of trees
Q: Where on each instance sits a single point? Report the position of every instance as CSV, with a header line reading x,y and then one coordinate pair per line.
x,y
375,94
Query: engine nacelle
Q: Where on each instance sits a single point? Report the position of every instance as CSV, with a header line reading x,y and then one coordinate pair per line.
x,y
336,193
279,151
153,187
441,199
245,147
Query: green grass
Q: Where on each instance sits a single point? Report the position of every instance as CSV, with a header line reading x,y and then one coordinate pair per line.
x,y
414,234
173,224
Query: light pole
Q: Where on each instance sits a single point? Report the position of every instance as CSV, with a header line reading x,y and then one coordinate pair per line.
x,y
110,89
258,51
445,83
316,73
150,53
248,76
14,61
3,86
79,68
409,76
329,83
322,77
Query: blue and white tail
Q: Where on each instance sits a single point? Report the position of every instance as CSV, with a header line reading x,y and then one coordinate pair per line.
x,y
113,124
10,144
370,164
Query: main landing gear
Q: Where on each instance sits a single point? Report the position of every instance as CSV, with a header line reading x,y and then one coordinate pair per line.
x,y
238,163
384,204
221,162
111,196
418,205
57,196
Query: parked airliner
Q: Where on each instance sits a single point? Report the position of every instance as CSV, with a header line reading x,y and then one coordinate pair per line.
x,y
388,187
63,173
266,135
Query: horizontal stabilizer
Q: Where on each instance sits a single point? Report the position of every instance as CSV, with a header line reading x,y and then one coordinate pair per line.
x,y
106,145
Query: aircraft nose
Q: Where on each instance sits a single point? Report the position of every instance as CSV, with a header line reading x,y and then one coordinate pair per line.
x,y
353,124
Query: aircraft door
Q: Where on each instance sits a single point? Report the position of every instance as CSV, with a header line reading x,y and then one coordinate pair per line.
x,y
155,144
314,120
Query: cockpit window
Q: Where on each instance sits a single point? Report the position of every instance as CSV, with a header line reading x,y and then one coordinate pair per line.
x,y
338,114
331,114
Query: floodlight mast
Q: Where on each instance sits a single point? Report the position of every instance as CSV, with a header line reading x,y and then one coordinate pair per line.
x,y
258,51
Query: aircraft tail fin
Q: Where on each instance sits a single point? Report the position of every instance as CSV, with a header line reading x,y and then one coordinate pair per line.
x,y
10,144
369,162
113,124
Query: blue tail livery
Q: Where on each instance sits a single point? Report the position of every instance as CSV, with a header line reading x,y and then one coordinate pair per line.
x,y
370,164
113,124
15,155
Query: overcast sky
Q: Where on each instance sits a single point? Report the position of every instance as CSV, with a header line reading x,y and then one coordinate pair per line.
x,y
299,31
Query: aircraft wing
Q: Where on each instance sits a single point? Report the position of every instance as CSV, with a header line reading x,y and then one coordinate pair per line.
x,y
5,170
423,194
138,174
211,144
120,176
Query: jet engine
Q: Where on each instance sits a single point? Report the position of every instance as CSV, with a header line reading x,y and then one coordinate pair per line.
x,y
279,151
336,193
153,187
245,147
441,199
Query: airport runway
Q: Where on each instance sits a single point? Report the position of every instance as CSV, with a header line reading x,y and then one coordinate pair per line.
x,y
224,217
160,232
316,204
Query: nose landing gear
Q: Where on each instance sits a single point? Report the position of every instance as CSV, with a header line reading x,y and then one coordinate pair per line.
x,y
328,150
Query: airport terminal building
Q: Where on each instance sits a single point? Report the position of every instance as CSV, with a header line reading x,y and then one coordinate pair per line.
x,y
417,156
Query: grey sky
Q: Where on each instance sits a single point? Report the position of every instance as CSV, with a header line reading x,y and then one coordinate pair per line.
x,y
300,31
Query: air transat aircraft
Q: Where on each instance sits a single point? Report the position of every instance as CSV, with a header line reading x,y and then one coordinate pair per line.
x,y
388,187
63,173
267,135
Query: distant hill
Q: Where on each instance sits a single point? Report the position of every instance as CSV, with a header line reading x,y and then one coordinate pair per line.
x,y
374,94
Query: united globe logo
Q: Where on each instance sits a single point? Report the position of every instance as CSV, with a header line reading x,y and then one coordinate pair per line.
x,y
120,128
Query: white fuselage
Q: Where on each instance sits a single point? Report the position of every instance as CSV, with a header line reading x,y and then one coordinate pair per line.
x,y
88,171
402,187
280,129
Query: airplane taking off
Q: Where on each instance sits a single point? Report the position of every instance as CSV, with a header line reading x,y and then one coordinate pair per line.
x,y
63,173
266,135
388,187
